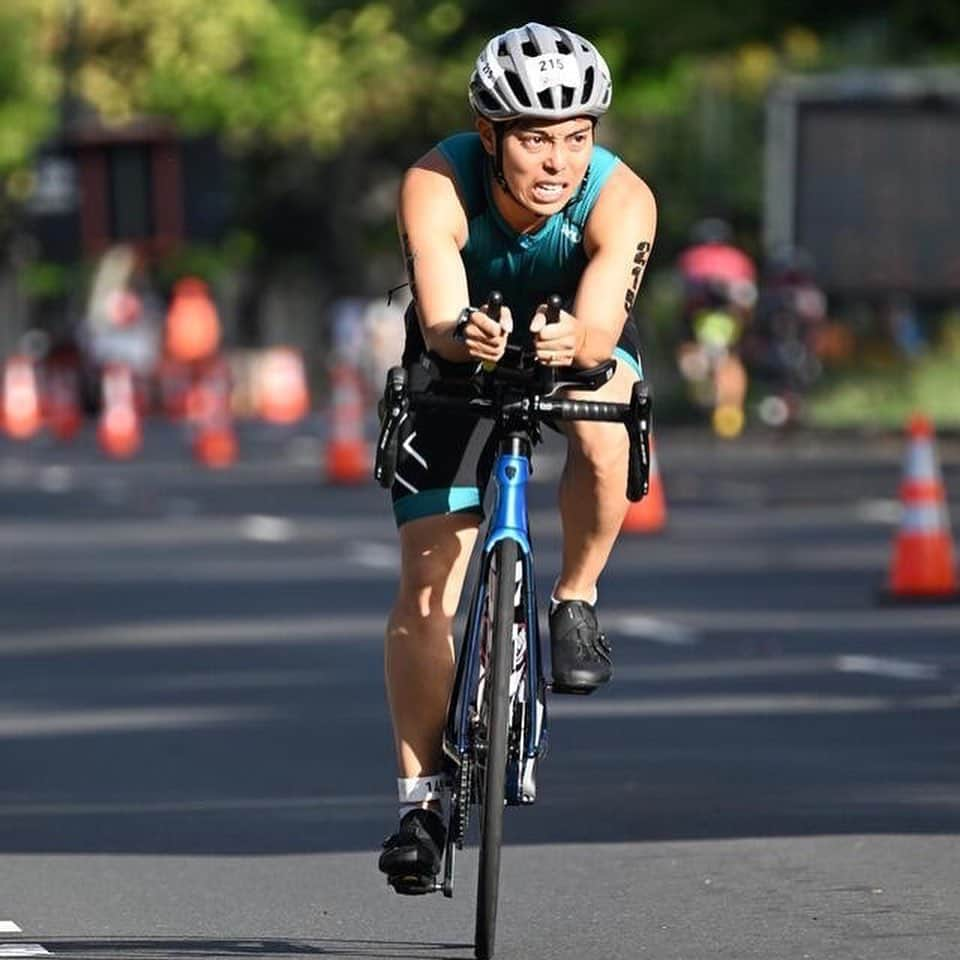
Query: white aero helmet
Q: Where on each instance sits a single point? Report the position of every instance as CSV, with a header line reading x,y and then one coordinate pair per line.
x,y
538,71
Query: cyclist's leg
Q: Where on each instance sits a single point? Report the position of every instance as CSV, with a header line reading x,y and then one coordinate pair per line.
x,y
593,504
593,499
419,660
437,507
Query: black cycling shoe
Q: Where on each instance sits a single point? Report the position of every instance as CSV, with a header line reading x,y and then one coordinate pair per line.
x,y
580,653
411,858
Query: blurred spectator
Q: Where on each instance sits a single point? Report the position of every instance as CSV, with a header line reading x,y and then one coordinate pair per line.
x,y
123,315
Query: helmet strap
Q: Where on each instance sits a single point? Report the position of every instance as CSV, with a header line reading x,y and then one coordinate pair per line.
x,y
498,131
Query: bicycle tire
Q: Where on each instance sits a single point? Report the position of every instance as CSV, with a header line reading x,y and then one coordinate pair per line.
x,y
492,785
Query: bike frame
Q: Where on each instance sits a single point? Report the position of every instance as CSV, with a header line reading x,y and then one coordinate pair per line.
x,y
511,474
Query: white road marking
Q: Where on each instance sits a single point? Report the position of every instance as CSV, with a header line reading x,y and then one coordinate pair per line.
x,y
879,511
40,723
759,705
56,479
8,926
347,806
23,950
378,556
653,629
888,667
268,529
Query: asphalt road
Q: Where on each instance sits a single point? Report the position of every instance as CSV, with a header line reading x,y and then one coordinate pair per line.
x,y
195,752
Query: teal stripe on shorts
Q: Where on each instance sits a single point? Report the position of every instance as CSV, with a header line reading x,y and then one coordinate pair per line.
x,y
628,358
429,503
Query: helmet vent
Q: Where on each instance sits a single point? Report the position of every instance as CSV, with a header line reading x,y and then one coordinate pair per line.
x,y
517,87
588,79
563,47
488,100
530,48
566,100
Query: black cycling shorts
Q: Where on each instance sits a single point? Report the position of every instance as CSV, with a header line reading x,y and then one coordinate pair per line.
x,y
444,460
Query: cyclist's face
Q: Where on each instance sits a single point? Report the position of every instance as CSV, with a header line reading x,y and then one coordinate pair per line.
x,y
545,162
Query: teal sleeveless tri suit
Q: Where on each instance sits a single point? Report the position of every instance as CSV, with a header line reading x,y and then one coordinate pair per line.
x,y
442,465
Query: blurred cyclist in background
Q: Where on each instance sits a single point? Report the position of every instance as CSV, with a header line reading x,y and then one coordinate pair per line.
x,y
719,292
782,350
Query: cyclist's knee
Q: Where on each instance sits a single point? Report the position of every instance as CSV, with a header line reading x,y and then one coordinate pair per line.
x,y
603,448
434,553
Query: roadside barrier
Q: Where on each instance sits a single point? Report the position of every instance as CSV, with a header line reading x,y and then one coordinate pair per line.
x,y
922,565
347,457
119,431
21,398
648,515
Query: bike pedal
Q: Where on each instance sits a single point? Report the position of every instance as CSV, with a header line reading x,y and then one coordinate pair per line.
x,y
414,885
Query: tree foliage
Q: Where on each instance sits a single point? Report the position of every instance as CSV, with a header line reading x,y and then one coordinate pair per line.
x,y
346,92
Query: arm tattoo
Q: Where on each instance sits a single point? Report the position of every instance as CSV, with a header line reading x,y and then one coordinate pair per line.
x,y
636,275
409,255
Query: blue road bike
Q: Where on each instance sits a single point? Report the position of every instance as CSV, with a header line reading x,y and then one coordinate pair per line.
x,y
496,729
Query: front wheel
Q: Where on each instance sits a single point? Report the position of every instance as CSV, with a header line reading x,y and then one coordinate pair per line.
x,y
492,772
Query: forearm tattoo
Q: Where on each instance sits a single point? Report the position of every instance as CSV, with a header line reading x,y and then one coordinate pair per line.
x,y
636,275
409,255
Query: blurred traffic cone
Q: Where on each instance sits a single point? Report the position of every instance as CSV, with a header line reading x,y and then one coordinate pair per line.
x,y
208,408
923,559
62,402
648,515
119,431
21,399
216,446
193,325
347,457
173,379
282,392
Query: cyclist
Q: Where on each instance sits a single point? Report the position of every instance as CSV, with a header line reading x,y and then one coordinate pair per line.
x,y
527,205
719,291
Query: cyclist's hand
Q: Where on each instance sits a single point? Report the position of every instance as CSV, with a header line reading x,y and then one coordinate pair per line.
x,y
556,344
486,339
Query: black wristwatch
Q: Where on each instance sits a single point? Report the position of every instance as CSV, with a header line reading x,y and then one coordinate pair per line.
x,y
459,331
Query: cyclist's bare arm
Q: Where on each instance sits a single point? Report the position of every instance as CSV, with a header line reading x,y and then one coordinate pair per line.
x,y
618,239
433,229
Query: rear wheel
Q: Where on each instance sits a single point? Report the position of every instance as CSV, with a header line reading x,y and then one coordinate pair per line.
x,y
492,768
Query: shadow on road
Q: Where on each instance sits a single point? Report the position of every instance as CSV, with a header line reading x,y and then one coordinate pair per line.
x,y
184,948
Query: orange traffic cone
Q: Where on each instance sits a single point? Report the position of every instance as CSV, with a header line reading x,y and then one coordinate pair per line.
x,y
216,446
62,402
282,392
648,515
118,431
923,558
21,399
347,458
208,408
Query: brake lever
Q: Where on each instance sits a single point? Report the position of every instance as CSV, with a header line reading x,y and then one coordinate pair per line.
x,y
392,409
639,425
